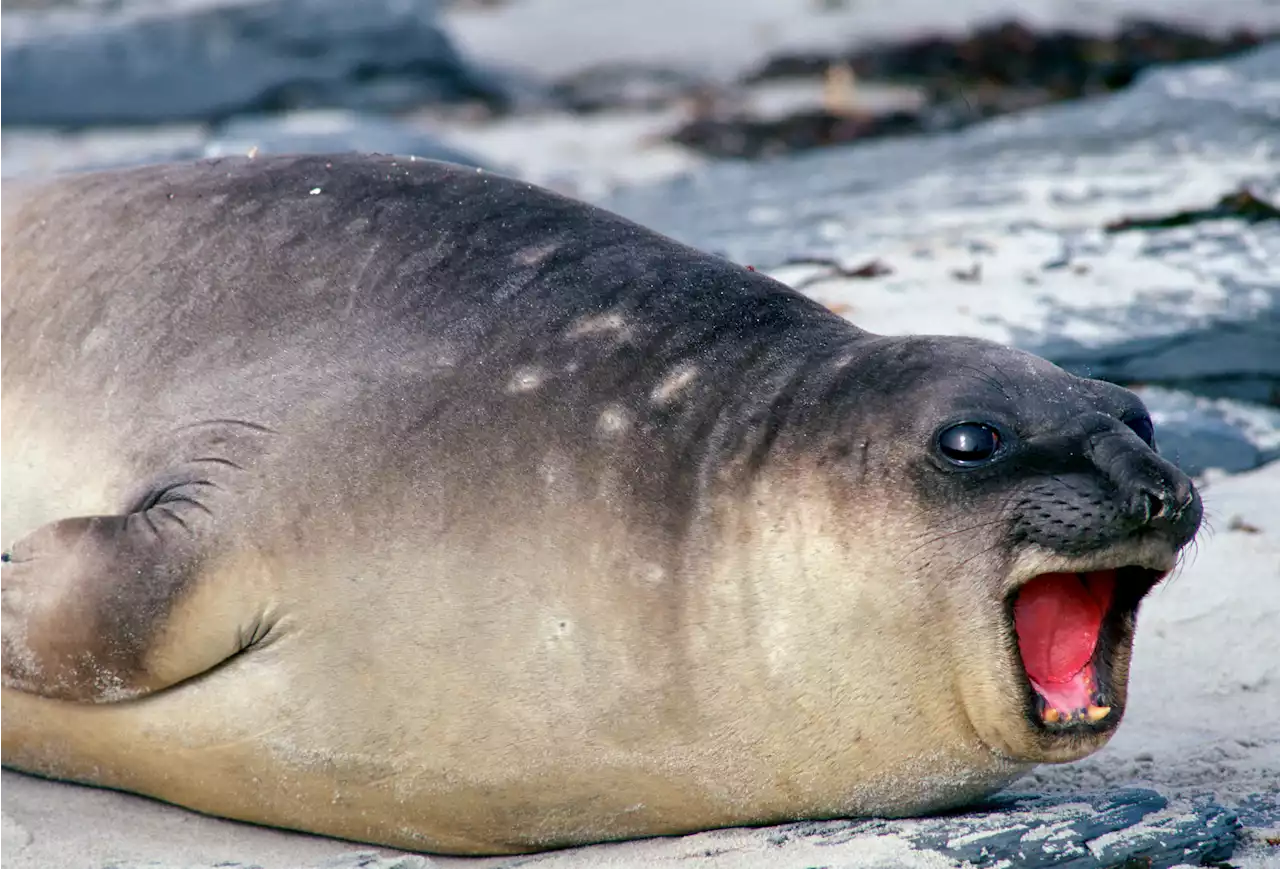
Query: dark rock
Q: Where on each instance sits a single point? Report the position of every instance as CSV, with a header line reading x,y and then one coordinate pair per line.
x,y
626,86
751,138
1088,831
1243,204
76,68
1261,811
1064,62
996,69
1197,434
1126,827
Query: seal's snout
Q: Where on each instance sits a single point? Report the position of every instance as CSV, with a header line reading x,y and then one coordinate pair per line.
x,y
1106,518
1157,496
1114,489
1172,508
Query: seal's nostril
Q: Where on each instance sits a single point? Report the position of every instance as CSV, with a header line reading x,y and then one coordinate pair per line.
x,y
1157,507
1184,494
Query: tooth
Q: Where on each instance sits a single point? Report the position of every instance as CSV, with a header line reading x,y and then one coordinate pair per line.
x,y
1051,715
1097,713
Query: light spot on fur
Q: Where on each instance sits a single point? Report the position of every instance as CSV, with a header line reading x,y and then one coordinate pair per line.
x,y
526,379
611,323
558,632
653,574
19,657
673,384
413,835
613,420
442,355
112,689
532,256
251,207
557,475
315,287
96,338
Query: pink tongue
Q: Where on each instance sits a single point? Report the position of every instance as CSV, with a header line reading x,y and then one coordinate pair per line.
x,y
1057,617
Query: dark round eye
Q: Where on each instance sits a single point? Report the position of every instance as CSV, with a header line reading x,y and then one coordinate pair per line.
x,y
969,443
1143,428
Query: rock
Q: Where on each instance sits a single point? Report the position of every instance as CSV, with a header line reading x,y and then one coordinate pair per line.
x,y
996,68
615,86
1063,61
1199,433
206,61
1261,810
1010,217
1125,827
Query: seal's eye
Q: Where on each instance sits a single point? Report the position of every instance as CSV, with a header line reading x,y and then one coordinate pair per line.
x,y
969,443
1143,428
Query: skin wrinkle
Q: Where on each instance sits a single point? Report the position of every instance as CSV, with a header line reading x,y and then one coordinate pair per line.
x,y
483,626
991,378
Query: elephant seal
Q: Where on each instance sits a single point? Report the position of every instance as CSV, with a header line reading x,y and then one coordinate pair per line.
x,y
410,504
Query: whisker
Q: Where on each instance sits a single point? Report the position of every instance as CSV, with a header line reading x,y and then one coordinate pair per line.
x,y
945,535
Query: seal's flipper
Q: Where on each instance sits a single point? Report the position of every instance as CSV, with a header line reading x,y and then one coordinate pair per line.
x,y
88,603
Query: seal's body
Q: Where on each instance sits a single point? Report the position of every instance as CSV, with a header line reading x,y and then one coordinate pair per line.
x,y
410,504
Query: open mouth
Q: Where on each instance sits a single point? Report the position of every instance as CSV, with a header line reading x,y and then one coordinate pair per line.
x,y
1069,627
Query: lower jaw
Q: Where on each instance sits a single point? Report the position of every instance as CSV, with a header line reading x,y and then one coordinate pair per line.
x,y
1071,725
1057,743
1049,746
1078,725
1078,701
1071,747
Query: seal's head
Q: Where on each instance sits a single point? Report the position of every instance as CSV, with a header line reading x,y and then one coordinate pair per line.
x,y
1038,514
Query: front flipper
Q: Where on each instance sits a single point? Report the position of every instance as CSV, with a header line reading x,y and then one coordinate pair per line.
x,y
93,607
